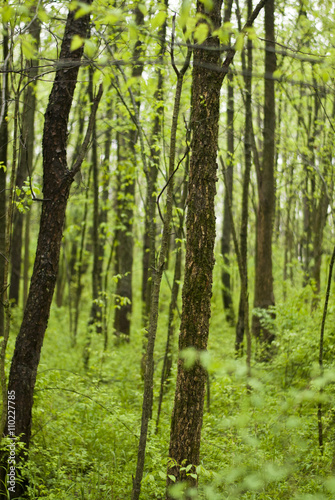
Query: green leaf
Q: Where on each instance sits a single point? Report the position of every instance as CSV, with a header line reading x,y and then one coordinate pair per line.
x,y
239,42
7,13
172,477
209,4
76,42
27,48
190,356
158,20
83,10
201,32
184,14
43,16
113,17
142,8
90,48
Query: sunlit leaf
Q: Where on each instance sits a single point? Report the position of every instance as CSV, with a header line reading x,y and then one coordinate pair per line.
x,y
76,42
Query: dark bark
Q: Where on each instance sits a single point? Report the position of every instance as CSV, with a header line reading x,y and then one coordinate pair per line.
x,y
309,196
57,181
25,165
264,296
26,261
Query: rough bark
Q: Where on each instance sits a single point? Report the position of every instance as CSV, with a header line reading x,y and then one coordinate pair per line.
x,y
197,289
57,180
264,296
187,414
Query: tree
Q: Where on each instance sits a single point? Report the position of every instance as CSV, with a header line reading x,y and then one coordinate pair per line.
x,y
264,296
57,181
187,413
25,165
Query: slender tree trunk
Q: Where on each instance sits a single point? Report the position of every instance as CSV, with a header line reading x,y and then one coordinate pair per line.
x,y
264,296
26,261
226,230
149,238
157,279
25,165
57,181
247,69
167,362
81,265
125,243
95,320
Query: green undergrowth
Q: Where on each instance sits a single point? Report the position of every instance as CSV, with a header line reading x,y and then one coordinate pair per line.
x,y
257,443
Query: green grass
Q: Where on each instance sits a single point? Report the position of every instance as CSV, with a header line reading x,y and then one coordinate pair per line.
x,y
260,445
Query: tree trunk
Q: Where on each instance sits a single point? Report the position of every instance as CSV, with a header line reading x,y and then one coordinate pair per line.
x,y
57,181
25,165
187,414
197,289
149,238
125,243
264,296
95,320
167,362
157,279
226,230
247,69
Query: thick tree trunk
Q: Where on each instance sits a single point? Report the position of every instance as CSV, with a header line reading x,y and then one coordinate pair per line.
x,y
187,414
57,181
264,296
